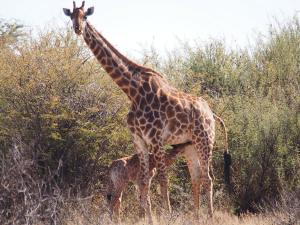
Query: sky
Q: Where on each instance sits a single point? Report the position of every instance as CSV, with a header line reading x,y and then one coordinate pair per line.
x,y
134,25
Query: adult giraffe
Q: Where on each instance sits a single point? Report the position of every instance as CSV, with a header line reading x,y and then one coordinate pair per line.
x,y
160,114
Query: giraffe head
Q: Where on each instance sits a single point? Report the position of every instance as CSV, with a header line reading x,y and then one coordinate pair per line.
x,y
78,16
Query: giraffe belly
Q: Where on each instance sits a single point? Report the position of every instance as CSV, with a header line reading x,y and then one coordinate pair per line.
x,y
176,132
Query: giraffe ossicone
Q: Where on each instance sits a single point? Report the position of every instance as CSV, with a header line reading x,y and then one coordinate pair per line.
x,y
160,114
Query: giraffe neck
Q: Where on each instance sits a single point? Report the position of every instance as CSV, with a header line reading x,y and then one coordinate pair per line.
x,y
115,64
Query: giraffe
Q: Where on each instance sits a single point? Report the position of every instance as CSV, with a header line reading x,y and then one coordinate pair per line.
x,y
159,114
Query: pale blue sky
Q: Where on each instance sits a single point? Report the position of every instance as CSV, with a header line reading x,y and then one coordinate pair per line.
x,y
130,24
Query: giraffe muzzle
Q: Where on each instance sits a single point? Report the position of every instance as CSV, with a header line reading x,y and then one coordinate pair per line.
x,y
78,30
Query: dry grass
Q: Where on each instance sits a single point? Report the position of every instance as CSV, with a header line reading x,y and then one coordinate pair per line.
x,y
95,213
220,217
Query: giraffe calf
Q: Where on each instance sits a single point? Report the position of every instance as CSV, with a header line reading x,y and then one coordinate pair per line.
x,y
127,169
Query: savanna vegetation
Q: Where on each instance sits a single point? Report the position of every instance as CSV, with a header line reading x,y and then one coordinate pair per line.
x,y
63,121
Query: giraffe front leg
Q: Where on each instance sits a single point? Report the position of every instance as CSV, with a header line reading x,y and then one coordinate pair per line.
x,y
162,175
144,186
144,178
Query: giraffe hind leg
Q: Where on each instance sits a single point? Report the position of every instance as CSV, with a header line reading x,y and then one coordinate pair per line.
x,y
194,170
191,157
203,148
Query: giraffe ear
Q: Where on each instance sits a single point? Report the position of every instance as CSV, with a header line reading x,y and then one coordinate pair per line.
x,y
67,12
89,11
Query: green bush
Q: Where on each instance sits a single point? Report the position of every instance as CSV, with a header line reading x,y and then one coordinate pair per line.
x,y
56,102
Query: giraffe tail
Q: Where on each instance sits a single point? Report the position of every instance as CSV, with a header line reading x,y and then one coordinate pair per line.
x,y
227,156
